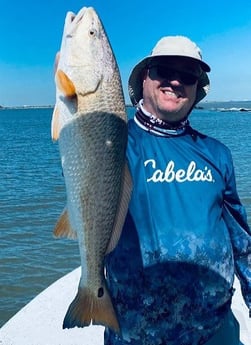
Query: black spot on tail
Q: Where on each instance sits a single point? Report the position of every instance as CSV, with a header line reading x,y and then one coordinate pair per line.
x,y
100,292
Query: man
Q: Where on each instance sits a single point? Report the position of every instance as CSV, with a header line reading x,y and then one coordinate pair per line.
x,y
186,233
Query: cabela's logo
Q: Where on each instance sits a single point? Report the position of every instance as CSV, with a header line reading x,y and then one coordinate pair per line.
x,y
170,174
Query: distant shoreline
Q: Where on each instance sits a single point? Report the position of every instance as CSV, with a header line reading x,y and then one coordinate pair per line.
x,y
26,107
238,106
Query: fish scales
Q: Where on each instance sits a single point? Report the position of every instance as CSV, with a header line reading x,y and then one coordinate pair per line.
x,y
93,172
90,123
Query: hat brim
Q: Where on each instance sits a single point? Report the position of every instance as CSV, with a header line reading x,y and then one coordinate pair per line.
x,y
135,82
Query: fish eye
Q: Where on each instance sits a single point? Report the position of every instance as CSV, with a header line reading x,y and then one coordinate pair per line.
x,y
92,32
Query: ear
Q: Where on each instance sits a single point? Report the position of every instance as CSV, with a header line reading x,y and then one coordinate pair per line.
x,y
144,74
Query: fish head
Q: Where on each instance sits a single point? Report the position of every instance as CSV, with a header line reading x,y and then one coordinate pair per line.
x,y
85,63
86,50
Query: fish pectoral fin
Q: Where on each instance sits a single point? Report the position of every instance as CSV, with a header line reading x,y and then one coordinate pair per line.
x,y
88,307
63,227
65,84
125,196
55,127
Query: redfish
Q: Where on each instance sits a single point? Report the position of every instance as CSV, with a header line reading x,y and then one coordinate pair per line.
x,y
90,124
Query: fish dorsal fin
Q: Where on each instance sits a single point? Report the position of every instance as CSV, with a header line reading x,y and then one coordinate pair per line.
x,y
55,124
65,84
63,227
126,191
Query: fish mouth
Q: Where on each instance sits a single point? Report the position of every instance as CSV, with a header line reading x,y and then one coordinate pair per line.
x,y
73,20
76,18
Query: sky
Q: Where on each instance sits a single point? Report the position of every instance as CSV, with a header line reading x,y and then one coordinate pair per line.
x,y
31,31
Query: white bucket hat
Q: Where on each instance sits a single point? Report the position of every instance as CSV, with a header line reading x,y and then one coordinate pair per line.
x,y
169,46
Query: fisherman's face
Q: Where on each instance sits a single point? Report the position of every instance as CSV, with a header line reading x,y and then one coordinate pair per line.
x,y
170,86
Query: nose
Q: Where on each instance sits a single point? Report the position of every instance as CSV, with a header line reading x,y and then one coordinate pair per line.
x,y
174,80
174,77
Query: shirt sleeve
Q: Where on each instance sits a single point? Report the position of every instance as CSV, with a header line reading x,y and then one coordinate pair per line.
x,y
240,234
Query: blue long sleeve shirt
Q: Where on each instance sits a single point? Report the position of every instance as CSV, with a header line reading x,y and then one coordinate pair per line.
x,y
186,234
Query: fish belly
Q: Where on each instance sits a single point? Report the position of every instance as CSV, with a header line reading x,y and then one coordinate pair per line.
x,y
92,148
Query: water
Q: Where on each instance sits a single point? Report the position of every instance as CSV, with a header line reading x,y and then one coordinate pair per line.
x,y
32,196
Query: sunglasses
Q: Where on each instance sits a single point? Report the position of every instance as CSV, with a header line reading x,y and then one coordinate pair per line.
x,y
171,74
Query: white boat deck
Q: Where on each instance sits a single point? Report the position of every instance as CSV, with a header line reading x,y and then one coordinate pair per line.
x,y
40,321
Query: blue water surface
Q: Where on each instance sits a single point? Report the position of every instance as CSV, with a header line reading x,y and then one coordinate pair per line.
x,y
32,196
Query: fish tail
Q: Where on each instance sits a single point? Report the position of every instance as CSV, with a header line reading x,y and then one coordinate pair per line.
x,y
89,308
